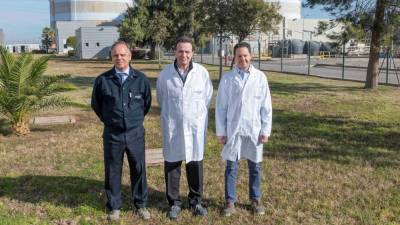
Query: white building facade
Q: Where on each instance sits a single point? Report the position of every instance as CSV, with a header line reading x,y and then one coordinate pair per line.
x,y
66,16
95,42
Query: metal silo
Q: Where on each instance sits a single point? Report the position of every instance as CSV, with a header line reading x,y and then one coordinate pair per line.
x,y
66,16
87,10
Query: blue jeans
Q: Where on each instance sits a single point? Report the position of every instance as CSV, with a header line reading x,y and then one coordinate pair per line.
x,y
231,171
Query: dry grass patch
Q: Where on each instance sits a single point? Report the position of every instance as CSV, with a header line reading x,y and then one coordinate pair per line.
x,y
334,158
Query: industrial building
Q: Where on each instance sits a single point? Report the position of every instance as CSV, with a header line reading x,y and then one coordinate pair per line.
x,y
95,42
22,47
294,32
292,37
66,16
1,37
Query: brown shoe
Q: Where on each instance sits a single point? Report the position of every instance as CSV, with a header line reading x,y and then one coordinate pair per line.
x,y
229,209
257,207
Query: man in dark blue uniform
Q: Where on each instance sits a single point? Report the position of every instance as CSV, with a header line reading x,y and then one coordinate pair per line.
x,y
121,98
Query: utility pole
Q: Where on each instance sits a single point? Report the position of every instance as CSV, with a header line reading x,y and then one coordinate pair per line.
x,y
220,56
283,42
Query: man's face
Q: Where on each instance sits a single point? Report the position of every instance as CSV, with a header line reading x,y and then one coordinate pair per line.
x,y
183,54
242,58
121,57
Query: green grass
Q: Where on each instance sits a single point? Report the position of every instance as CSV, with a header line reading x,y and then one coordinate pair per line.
x,y
333,158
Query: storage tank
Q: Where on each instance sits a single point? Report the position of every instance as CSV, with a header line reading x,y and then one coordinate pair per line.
x,y
84,10
296,46
314,47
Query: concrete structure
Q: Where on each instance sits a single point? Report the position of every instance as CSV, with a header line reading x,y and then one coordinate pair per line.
x,y
303,29
95,42
1,37
290,9
68,15
292,27
21,48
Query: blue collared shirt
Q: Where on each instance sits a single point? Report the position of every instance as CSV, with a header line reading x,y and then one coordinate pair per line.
x,y
122,74
243,73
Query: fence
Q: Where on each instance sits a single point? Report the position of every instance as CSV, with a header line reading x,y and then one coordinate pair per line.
x,y
319,59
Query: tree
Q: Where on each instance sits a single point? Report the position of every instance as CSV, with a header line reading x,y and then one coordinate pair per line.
x,y
148,20
132,27
371,17
158,31
256,14
48,38
347,33
24,89
239,17
71,42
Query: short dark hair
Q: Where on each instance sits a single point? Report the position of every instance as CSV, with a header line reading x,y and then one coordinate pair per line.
x,y
241,45
120,43
184,39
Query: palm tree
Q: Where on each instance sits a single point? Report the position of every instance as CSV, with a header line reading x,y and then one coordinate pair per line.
x,y
24,89
48,38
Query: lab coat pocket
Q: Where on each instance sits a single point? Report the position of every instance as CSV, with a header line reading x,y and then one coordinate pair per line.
x,y
174,94
197,93
258,92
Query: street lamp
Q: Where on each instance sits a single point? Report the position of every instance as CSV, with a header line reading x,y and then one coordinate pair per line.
x,y
304,18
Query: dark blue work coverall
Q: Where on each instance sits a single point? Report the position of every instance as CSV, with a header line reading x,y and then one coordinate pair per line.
x,y
121,108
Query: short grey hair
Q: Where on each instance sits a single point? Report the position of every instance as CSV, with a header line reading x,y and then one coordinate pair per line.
x,y
120,43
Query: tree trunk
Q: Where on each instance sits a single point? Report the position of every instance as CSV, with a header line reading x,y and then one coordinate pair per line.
x,y
191,19
153,50
376,38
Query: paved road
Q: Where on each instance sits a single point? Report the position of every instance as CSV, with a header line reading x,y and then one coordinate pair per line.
x,y
355,68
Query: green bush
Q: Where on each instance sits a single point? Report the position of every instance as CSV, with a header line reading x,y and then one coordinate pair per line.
x,y
71,53
138,53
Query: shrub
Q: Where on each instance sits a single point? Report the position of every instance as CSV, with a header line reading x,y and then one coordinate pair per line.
x,y
138,53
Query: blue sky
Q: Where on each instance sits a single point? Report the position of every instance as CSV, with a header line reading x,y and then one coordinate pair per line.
x,y
23,20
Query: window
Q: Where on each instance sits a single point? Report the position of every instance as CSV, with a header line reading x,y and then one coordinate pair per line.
x,y
98,44
87,44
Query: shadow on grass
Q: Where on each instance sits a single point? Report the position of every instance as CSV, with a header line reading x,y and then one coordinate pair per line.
x,y
4,127
82,82
299,136
309,87
72,192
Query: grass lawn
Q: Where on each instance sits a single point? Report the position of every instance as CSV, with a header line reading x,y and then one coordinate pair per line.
x,y
333,158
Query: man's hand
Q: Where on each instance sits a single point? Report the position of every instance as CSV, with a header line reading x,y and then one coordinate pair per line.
x,y
222,139
263,139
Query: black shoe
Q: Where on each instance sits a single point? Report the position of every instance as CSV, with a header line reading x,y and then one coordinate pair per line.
x,y
199,210
174,212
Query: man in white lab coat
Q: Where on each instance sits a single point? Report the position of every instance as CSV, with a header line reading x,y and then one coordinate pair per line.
x,y
243,117
184,92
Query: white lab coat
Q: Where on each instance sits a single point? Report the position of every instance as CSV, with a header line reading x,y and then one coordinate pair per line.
x,y
184,112
243,112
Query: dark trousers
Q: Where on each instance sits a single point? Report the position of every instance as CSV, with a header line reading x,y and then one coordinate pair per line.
x,y
194,175
115,145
